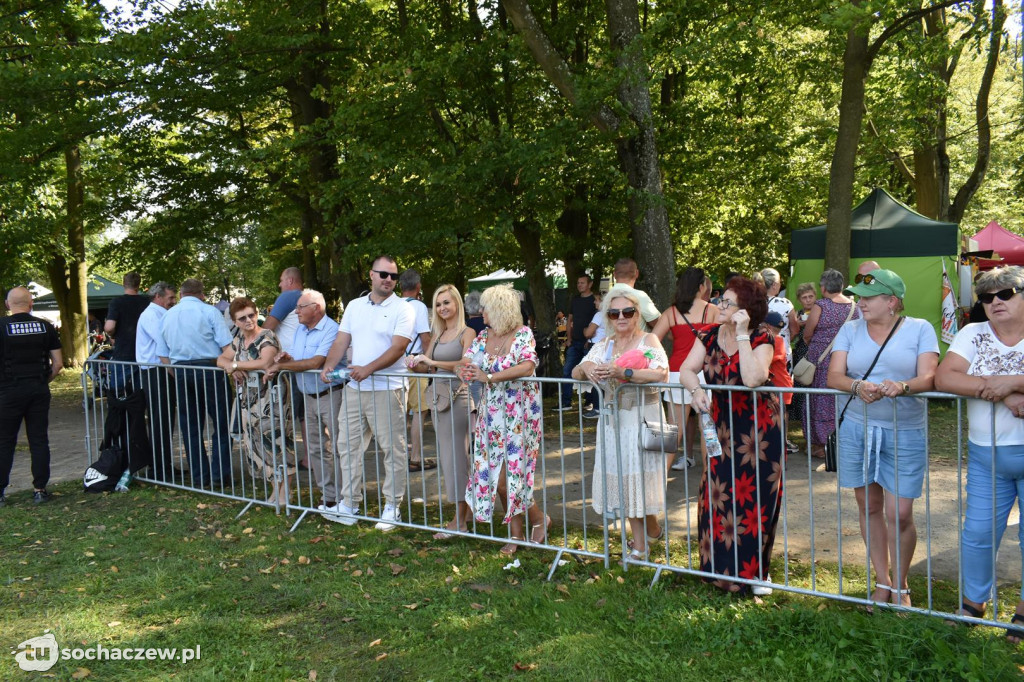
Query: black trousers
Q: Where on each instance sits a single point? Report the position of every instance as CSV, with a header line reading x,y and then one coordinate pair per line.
x,y
25,400
160,404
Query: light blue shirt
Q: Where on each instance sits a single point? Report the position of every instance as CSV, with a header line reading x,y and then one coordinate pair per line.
x,y
193,330
897,362
309,343
148,335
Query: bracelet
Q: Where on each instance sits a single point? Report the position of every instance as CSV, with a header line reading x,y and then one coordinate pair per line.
x,y
906,388
855,387
743,337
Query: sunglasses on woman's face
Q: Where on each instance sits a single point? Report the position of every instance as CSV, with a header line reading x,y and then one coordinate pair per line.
x,y
627,313
245,318
1004,295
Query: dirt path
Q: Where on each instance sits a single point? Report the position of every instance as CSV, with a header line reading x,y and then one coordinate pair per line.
x,y
807,490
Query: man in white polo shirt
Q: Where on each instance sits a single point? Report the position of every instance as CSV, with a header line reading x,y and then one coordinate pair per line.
x,y
378,327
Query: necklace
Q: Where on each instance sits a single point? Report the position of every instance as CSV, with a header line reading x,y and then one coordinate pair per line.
x,y
500,343
625,342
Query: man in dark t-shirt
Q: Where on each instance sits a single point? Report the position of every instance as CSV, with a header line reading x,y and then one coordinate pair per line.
x,y
30,358
581,312
123,316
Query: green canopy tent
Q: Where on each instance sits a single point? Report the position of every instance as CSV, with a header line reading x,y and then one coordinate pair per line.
x,y
100,293
900,239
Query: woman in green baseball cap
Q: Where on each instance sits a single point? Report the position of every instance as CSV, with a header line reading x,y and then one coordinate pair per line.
x,y
881,359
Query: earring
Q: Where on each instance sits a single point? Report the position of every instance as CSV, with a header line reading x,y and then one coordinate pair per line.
x,y
892,313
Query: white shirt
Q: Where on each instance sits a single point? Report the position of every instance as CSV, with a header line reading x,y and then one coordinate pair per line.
x,y
421,325
372,327
987,356
599,321
147,331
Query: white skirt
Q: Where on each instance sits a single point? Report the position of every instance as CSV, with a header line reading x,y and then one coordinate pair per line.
x,y
628,480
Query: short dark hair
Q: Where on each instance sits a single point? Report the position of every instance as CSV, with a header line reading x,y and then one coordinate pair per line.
x,y
191,287
750,296
626,268
131,280
383,257
241,303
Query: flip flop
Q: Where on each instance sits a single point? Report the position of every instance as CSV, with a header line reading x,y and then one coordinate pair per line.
x,y
423,465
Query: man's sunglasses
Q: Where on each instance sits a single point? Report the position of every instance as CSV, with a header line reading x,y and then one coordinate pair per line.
x,y
384,274
871,279
1004,295
615,313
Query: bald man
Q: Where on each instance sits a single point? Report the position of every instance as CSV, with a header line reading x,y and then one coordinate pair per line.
x,y
866,267
30,359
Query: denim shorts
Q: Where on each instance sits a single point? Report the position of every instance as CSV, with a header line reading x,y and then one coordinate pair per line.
x,y
870,456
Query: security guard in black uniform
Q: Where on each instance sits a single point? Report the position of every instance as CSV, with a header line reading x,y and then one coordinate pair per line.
x,y
30,359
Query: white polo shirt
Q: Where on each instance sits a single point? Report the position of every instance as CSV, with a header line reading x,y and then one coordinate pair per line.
x,y
372,327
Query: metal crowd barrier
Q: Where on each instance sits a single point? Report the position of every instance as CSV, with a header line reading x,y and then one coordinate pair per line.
x,y
269,425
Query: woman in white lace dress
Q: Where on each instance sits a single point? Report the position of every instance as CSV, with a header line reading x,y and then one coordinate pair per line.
x,y
627,479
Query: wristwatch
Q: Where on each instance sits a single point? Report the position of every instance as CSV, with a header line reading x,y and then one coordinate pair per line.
x,y
906,387
628,373
234,367
490,378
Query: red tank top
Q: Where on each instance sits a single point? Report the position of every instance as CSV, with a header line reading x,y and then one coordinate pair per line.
x,y
683,337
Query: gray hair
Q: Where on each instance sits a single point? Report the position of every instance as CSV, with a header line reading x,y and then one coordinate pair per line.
x,y
832,281
315,296
771,277
1008,277
472,303
160,289
408,280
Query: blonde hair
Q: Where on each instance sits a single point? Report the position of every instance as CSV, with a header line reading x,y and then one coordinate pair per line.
x,y
620,291
501,303
436,323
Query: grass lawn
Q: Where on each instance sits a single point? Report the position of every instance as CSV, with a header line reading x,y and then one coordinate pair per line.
x,y
159,568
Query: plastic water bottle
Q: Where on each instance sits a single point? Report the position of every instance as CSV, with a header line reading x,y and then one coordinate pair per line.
x,y
124,482
707,425
339,374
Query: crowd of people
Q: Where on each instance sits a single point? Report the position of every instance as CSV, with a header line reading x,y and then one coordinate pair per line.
x,y
463,363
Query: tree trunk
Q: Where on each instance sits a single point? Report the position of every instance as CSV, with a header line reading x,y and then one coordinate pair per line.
x,y
528,237
574,225
638,156
841,173
70,277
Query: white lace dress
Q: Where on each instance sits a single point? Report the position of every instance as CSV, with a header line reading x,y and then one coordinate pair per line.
x,y
628,481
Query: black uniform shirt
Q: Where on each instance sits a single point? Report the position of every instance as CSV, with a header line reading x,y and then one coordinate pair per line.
x,y
25,345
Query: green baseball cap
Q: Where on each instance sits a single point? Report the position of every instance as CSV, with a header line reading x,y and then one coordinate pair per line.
x,y
885,282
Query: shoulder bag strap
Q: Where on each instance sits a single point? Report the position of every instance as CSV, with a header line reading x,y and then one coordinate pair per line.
x,y
829,348
873,363
692,328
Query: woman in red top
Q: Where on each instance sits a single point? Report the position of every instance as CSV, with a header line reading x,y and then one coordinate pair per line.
x,y
690,313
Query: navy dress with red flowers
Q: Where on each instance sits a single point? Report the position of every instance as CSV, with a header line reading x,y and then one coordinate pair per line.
x,y
744,485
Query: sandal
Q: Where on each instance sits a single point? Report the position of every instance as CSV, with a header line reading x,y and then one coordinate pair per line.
x,y
898,596
1015,635
448,533
423,465
543,532
967,610
510,548
878,586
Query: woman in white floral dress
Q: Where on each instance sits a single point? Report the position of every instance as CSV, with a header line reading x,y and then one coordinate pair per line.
x,y
621,465
506,438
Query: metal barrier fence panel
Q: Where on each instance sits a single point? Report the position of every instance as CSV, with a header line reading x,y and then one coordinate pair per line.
x,y
588,481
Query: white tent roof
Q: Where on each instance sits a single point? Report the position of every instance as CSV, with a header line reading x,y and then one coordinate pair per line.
x,y
556,269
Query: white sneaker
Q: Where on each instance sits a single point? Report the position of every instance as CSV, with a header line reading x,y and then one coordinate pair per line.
x,y
339,513
762,590
390,513
682,463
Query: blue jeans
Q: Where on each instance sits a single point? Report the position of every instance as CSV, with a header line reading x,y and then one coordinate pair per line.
x,y
985,522
204,391
574,355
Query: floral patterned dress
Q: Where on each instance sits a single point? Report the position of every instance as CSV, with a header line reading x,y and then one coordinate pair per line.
x,y
628,479
823,406
508,429
253,411
741,491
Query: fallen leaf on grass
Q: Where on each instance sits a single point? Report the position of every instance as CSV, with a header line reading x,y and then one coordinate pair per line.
x,y
599,603
81,673
412,607
477,587
395,552
113,623
476,606
563,589
113,569
822,606
525,666
312,676
375,642
202,506
455,569
396,569
285,562
369,571
250,531
347,619
303,560
318,538
381,657
90,555
269,569
356,574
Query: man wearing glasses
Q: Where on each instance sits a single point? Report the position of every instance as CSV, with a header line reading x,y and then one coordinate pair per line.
x,y
320,402
377,327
